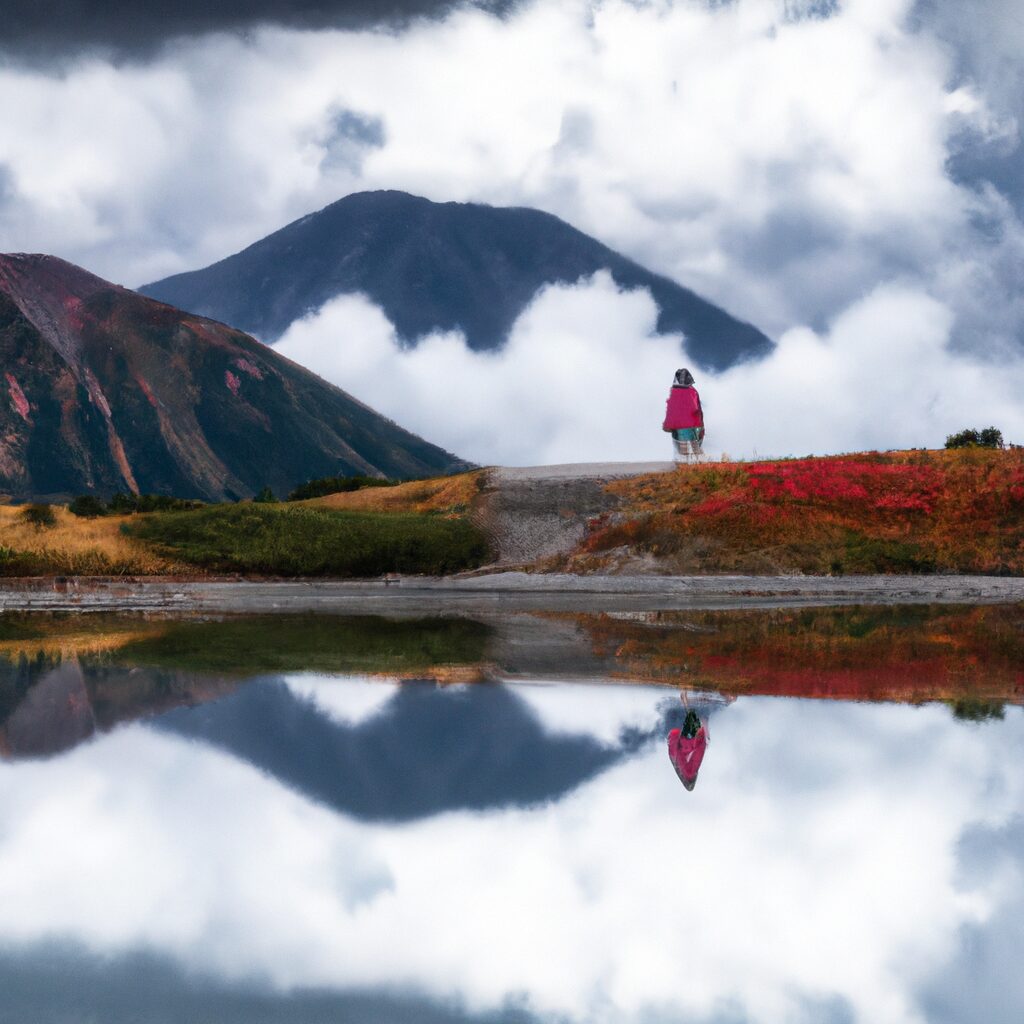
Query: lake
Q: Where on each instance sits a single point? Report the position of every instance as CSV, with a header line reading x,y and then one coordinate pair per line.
x,y
743,816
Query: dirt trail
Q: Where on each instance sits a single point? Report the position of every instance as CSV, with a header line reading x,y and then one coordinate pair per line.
x,y
535,512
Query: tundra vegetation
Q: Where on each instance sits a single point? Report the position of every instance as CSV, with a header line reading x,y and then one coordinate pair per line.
x,y
960,510
337,485
955,510
276,540
425,530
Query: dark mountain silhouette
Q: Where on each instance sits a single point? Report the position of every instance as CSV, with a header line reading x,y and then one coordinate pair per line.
x,y
428,751
102,390
435,266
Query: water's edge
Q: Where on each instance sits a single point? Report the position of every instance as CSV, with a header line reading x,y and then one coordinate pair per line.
x,y
514,591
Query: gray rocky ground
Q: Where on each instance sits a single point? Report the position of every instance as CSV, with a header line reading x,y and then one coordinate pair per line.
x,y
535,512
503,591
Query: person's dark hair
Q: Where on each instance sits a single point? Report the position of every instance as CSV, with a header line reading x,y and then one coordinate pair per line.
x,y
684,378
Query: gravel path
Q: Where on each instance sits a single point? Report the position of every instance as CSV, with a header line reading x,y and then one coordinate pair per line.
x,y
535,512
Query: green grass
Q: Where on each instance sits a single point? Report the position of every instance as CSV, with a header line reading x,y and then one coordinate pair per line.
x,y
282,540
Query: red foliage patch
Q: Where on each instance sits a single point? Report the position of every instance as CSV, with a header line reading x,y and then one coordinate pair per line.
x,y
848,483
73,310
250,368
145,388
18,399
232,382
957,511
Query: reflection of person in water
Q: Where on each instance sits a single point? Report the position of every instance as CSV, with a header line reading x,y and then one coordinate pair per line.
x,y
686,747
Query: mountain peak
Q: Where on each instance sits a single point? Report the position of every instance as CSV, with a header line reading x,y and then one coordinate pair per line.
x,y
433,267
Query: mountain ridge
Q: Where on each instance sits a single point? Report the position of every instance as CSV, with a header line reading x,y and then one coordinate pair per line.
x,y
107,390
436,267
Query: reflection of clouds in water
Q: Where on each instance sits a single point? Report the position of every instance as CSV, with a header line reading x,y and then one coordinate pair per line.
x,y
985,983
345,700
817,859
600,710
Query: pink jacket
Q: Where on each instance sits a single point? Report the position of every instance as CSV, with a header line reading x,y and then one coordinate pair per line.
x,y
682,410
687,754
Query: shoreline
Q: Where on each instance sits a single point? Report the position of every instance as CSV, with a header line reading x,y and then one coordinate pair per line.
x,y
505,591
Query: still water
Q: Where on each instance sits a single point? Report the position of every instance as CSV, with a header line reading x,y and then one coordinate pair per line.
x,y
446,820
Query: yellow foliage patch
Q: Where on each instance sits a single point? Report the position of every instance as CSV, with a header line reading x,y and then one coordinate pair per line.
x,y
447,495
77,546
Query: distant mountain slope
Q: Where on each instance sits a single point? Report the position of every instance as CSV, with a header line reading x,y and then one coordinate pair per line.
x,y
103,390
435,266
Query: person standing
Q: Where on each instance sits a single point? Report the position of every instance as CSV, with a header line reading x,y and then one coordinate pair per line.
x,y
684,417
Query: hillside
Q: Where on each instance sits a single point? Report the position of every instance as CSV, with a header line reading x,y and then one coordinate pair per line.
x,y
104,390
435,266
896,512
956,511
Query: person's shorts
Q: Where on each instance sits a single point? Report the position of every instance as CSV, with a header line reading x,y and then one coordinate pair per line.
x,y
688,434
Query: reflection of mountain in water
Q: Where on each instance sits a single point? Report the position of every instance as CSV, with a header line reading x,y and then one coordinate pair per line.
x,y
429,750
49,706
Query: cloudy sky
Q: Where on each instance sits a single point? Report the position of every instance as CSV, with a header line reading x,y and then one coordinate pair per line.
x,y
846,174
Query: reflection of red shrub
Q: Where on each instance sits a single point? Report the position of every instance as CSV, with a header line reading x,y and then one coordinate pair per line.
x,y
878,653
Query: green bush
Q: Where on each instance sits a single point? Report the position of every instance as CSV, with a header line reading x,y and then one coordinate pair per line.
x,y
279,540
164,503
40,516
88,506
336,485
126,504
266,497
990,437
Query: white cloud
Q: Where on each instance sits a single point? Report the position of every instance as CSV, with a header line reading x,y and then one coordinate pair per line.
x,y
817,858
584,377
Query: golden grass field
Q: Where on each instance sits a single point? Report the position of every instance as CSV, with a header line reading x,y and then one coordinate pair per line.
x,y
448,494
79,547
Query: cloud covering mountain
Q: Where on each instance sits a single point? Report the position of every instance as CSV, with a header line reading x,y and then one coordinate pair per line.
x,y
788,159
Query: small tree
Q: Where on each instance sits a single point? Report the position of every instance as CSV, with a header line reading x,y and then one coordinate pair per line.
x,y
266,497
123,504
40,516
990,437
88,506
